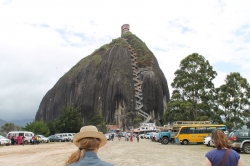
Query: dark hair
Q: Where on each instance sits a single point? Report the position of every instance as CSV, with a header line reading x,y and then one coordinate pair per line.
x,y
219,139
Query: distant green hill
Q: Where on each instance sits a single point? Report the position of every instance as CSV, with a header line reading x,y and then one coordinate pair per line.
x,y
21,123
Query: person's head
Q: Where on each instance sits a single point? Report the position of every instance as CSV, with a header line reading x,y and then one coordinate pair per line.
x,y
219,139
88,139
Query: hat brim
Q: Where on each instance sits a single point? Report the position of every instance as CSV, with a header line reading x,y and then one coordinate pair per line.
x,y
93,134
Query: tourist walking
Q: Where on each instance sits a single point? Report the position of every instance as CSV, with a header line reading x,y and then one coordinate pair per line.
x,y
88,141
222,154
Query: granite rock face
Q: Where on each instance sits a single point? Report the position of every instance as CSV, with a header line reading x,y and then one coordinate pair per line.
x,y
104,82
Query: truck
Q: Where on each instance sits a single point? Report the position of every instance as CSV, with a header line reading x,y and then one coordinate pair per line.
x,y
167,136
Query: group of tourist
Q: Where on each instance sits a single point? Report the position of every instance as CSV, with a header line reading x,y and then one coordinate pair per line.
x,y
19,139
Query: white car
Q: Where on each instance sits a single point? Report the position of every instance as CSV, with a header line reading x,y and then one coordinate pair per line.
x,y
43,139
70,136
147,136
207,141
4,141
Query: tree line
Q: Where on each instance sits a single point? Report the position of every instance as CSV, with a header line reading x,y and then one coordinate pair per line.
x,y
69,121
195,98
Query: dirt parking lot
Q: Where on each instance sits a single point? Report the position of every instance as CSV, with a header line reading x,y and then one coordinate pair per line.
x,y
120,153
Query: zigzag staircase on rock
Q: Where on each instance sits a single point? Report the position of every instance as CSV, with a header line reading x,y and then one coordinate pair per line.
x,y
137,84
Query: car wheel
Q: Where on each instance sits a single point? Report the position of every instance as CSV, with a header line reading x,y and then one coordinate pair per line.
x,y
26,142
185,142
246,148
165,141
237,150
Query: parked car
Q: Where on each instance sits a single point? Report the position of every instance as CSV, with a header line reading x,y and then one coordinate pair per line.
x,y
240,140
141,136
147,136
121,134
207,141
4,141
42,139
63,136
54,138
70,136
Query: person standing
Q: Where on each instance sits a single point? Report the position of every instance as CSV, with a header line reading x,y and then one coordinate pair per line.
x,y
112,136
12,140
15,139
23,140
119,137
34,139
19,139
88,142
222,154
137,137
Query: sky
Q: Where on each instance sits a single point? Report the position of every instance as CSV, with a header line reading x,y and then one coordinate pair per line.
x,y
40,40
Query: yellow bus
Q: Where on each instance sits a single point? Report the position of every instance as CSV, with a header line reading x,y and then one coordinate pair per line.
x,y
196,133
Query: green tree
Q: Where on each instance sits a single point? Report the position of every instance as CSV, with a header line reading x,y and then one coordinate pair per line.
x,y
69,121
98,121
52,128
7,127
191,98
37,127
233,100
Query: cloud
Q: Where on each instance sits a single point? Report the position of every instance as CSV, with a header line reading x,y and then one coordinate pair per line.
x,y
41,40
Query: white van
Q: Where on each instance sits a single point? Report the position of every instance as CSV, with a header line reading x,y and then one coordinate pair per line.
x,y
70,136
27,134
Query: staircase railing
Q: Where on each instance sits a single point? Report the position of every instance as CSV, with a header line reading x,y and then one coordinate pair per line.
x,y
137,84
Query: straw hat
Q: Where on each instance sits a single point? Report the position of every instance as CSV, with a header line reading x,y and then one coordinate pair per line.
x,y
89,131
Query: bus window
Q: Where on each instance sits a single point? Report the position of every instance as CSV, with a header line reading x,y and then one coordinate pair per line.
x,y
223,128
200,130
184,131
191,130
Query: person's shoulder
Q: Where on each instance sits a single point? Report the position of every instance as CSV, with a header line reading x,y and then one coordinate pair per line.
x,y
234,152
211,152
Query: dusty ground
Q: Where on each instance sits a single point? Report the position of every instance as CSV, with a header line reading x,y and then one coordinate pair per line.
x,y
120,153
